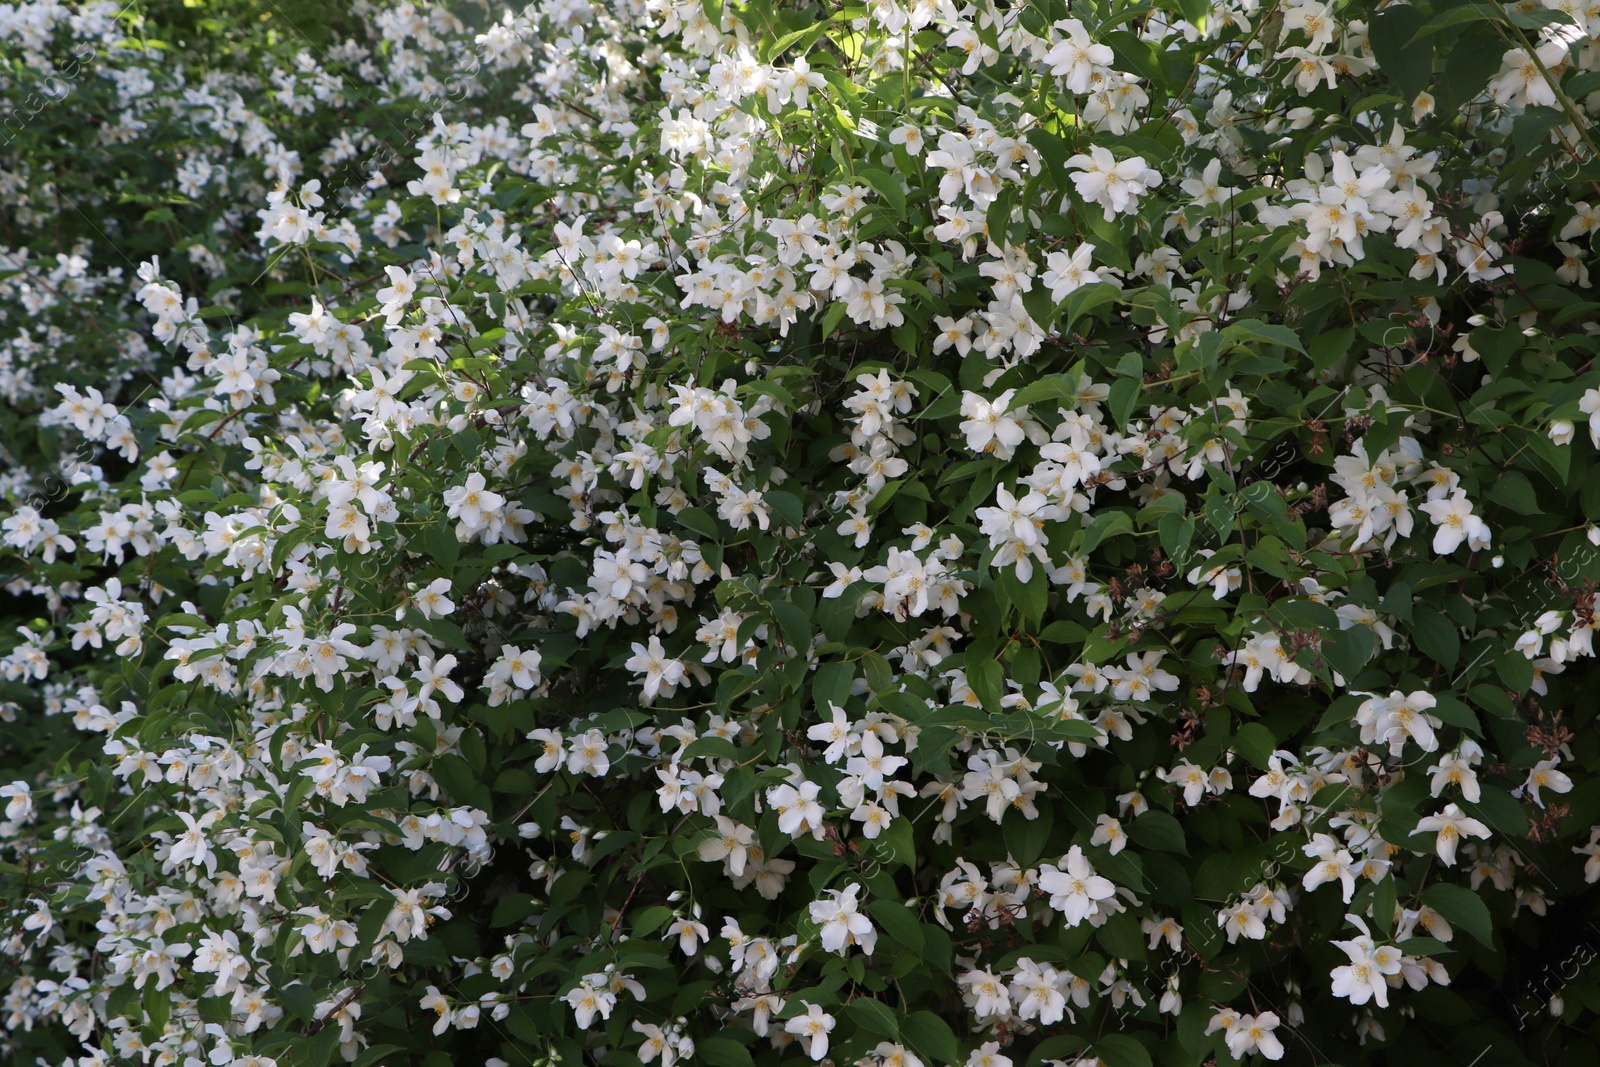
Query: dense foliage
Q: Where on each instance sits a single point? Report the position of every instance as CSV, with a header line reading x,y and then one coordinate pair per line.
x,y
911,535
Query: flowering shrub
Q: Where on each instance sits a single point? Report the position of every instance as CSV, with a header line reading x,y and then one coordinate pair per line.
x,y
635,531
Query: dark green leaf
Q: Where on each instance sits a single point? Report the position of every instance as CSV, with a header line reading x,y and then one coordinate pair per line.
x,y
873,1017
1463,909
1435,636
1156,829
1122,1050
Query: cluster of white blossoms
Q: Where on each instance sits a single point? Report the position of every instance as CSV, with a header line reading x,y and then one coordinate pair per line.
x,y
832,474
90,415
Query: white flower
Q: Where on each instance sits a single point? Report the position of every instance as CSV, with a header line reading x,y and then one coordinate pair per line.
x,y
798,810
1207,189
474,506
987,996
1451,824
435,1002
1037,991
1334,864
19,802
219,954
552,753
1073,886
397,294
1591,866
841,925
588,754
1455,523
1163,929
732,845
587,1002
1365,977
1253,1033
988,1055
662,674
1544,776
1108,832
990,426
1243,919
689,932
1521,82
193,845
323,933
1067,274
1590,406
812,1029
515,667
1074,58
434,677
1115,186
434,602
1193,780
835,734
1456,769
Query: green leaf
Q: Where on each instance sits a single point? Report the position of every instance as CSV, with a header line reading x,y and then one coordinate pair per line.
x,y
376,1053
899,922
1253,330
513,908
987,679
1106,524
1497,809
1255,743
873,1017
1435,636
931,1038
786,508
723,1052
1515,670
1349,650
1122,1050
1474,58
833,317
440,541
1453,16
1462,909
1513,490
157,1008
1196,13
698,522
1401,54
1084,300
831,685
1495,700
1221,513
1026,838
1455,713
888,187
1125,394
794,622
1060,1047
1122,938
1329,346
1061,387
880,676
897,843
651,919
807,34
1156,829
1030,597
